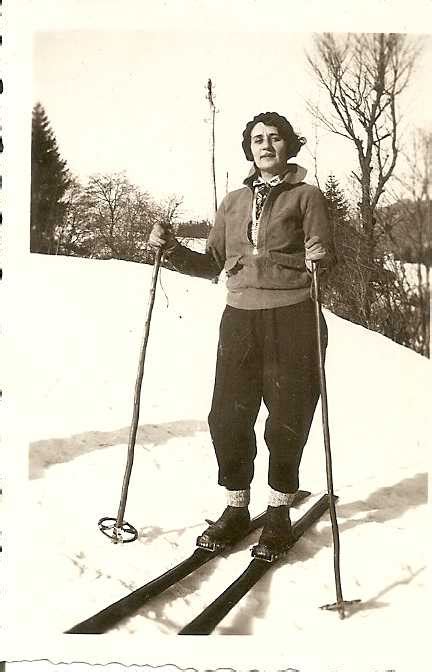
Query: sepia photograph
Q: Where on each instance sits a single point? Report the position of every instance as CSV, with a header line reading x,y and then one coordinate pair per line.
x,y
218,346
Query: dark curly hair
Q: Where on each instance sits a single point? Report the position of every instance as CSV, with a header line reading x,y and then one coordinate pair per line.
x,y
294,142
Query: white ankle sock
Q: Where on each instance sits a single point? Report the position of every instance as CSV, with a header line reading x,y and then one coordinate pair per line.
x,y
277,498
238,497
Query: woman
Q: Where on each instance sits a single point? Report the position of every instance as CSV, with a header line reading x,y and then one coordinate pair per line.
x,y
266,236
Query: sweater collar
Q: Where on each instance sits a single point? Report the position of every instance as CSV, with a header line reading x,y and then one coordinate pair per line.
x,y
293,175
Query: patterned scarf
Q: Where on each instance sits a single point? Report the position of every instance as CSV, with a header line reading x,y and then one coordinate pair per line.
x,y
262,190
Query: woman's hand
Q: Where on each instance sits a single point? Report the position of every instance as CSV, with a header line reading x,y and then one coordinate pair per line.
x,y
314,251
162,237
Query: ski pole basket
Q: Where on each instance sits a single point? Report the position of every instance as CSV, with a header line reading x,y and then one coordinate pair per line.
x,y
123,534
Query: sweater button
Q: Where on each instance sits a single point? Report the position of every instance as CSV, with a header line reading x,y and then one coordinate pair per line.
x,y
255,250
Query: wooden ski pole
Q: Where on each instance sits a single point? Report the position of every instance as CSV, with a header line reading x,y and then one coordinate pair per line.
x,y
340,604
117,528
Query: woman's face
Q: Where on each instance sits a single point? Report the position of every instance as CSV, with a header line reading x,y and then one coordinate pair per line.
x,y
269,149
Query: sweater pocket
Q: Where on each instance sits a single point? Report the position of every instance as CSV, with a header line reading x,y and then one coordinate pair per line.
x,y
295,260
286,271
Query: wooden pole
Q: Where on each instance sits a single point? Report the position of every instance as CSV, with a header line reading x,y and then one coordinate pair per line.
x,y
340,604
213,140
138,386
118,528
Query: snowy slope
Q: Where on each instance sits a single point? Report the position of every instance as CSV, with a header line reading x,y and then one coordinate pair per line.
x,y
87,319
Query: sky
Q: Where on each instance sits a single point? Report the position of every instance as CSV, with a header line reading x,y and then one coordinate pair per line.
x,y
135,101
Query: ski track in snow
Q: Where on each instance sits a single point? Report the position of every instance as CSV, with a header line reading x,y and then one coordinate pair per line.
x,y
90,317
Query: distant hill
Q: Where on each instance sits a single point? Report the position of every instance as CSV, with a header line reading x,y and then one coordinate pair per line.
x,y
407,228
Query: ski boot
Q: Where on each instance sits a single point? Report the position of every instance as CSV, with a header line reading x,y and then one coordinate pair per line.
x,y
228,529
276,537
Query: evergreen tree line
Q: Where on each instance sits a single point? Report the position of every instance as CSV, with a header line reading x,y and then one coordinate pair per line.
x,y
111,218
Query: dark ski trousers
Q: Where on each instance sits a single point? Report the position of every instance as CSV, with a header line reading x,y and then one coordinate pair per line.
x,y
268,355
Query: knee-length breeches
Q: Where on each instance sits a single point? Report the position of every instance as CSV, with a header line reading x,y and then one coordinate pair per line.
x,y
268,355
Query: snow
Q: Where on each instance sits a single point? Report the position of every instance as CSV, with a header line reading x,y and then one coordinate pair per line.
x,y
412,274
86,320
197,244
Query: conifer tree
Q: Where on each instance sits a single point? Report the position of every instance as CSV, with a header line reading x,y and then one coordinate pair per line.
x,y
49,182
342,291
337,205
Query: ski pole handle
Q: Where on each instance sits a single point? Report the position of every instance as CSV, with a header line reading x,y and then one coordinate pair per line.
x,y
162,238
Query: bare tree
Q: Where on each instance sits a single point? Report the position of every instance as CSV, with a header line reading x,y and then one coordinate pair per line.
x,y
112,218
108,195
364,75
73,235
120,216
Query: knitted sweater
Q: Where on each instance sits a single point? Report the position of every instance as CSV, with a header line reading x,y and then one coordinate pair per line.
x,y
271,272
